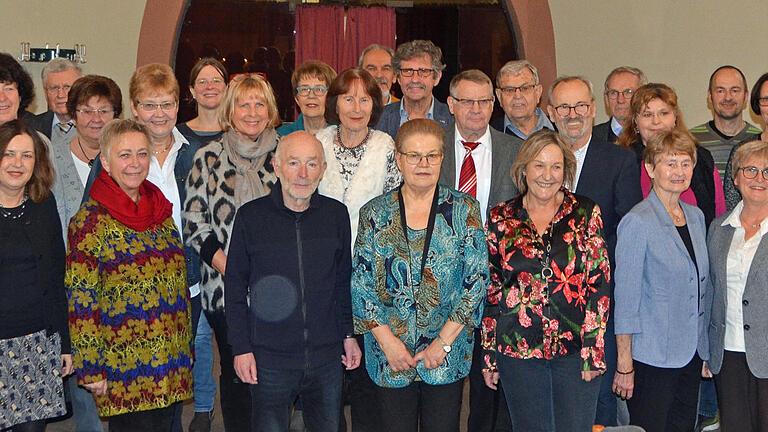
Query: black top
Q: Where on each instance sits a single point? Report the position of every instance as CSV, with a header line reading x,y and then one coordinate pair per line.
x,y
295,269
32,272
685,235
201,137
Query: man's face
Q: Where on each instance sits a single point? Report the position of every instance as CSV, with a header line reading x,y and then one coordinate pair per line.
x,y
57,85
378,63
615,99
471,107
573,97
417,87
518,94
728,96
299,165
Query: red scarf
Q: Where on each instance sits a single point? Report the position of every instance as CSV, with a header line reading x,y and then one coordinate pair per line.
x,y
153,208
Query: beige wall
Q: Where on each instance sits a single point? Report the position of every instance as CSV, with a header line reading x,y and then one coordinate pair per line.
x,y
110,30
676,42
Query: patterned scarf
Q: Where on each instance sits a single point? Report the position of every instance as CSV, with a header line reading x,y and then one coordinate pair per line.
x,y
248,157
153,208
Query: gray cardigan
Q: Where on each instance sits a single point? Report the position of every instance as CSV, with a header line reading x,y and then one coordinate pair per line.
x,y
754,300
656,287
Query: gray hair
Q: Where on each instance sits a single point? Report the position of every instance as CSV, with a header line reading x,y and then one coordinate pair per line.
x,y
474,75
514,67
375,47
417,48
59,64
642,80
565,79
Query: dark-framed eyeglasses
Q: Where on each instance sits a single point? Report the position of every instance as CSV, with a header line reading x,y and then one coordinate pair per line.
x,y
763,101
317,90
750,172
469,103
414,158
564,110
523,89
614,94
423,72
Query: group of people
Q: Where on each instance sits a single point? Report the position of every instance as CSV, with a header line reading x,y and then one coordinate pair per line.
x,y
560,266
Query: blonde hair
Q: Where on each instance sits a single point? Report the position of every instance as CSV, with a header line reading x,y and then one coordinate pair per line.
x,y
238,87
153,77
113,130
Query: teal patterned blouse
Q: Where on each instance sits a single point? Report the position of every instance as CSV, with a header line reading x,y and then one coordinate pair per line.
x,y
453,286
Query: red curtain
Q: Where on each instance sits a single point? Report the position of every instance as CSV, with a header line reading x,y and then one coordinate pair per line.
x,y
321,33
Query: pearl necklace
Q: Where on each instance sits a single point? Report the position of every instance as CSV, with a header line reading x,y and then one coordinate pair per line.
x,y
14,215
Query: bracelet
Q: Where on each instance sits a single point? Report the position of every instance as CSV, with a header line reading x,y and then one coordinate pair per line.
x,y
631,371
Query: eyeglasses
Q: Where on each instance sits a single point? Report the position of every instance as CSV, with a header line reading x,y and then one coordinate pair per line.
x,y
213,81
424,73
415,158
750,172
564,110
91,112
152,107
763,101
317,90
469,103
614,94
523,89
56,88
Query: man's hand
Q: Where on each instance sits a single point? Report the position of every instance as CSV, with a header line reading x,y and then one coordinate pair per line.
x,y
352,355
491,379
245,368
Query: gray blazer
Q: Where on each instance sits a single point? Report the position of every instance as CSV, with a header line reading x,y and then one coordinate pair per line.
x,y
658,298
504,149
754,301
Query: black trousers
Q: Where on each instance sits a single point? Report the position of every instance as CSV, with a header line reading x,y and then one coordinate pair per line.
x,y
665,399
487,408
363,398
743,398
156,420
33,426
234,394
436,408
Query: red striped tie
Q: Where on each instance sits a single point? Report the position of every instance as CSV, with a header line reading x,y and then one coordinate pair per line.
x,y
468,176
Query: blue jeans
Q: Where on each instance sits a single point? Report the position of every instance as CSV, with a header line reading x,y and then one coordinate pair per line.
x,y
607,401
707,398
84,410
320,391
205,384
548,395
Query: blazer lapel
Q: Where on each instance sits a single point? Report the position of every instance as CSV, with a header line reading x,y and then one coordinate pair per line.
x,y
591,165
448,167
756,275
498,155
699,242
666,224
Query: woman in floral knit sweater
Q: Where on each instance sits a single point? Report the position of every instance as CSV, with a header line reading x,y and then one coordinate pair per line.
x,y
548,297
126,283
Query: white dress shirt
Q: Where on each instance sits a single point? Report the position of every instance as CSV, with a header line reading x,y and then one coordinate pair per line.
x,y
580,155
739,261
482,158
164,178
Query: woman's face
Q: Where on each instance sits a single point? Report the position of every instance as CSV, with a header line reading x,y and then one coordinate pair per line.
x,y
672,173
419,148
251,115
91,117
755,190
9,101
128,162
17,164
157,110
354,107
312,105
764,109
544,174
209,87
657,116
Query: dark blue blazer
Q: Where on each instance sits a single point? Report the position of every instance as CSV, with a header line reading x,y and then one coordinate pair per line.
x,y
184,161
604,133
389,121
42,123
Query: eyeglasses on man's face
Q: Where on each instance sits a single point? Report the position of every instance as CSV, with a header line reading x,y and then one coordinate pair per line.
x,y
564,110
525,89
469,103
423,72
614,94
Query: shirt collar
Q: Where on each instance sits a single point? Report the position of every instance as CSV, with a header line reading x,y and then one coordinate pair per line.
x,y
404,113
485,140
541,123
616,127
734,220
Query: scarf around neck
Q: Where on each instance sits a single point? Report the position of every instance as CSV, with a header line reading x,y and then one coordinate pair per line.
x,y
152,209
248,157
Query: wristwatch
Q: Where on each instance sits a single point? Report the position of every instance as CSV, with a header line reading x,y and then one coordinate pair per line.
x,y
446,347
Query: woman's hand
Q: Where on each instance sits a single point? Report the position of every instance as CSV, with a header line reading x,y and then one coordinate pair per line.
x,y
398,357
491,379
433,355
624,378
705,372
66,364
624,385
98,388
219,261
590,375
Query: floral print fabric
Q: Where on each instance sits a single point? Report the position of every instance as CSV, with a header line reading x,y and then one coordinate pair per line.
x,y
531,312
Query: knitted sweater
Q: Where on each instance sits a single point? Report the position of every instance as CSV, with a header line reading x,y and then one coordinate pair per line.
x,y
128,311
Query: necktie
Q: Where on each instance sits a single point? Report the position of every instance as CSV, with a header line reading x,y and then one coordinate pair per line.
x,y
468,176
65,127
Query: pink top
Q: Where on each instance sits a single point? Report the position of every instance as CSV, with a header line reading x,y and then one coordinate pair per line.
x,y
687,196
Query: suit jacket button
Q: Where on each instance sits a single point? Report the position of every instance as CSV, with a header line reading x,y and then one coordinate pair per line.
x,y
745,302
746,326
